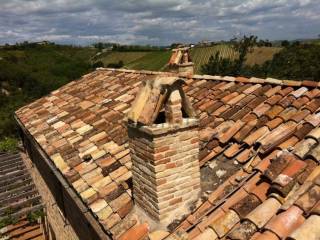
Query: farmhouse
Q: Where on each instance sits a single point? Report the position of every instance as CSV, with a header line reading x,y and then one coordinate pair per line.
x,y
125,154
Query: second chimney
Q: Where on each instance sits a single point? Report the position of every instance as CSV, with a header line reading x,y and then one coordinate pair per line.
x,y
164,145
181,62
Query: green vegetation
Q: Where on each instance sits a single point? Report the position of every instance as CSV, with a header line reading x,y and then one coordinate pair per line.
x,y
8,144
29,71
157,60
114,57
33,217
7,219
299,62
295,61
154,61
201,55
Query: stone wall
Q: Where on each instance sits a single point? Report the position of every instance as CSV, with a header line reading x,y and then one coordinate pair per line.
x,y
166,172
57,225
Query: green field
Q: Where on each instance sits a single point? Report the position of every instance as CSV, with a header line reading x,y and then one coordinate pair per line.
x,y
125,57
157,61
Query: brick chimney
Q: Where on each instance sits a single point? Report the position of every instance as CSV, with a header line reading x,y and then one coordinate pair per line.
x,y
164,145
181,62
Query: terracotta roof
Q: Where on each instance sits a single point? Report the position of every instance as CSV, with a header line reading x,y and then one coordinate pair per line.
x,y
243,122
18,198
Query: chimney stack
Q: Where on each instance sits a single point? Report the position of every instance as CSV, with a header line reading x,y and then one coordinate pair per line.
x,y
181,62
164,146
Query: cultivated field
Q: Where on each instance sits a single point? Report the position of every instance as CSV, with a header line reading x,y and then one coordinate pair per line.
x,y
201,55
157,61
125,57
261,55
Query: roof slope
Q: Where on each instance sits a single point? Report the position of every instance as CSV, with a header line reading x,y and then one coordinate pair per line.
x,y
81,127
18,198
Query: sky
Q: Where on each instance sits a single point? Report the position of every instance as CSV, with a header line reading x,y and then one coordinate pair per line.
x,y
156,22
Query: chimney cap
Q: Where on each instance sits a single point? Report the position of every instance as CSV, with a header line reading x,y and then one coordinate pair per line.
x,y
153,96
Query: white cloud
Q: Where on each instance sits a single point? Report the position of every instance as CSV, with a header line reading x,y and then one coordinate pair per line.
x,y
155,21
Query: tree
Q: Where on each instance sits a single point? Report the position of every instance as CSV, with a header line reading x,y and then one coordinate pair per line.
x,y
285,43
243,46
219,66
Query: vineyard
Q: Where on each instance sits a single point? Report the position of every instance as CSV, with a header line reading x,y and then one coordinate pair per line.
x,y
201,55
157,61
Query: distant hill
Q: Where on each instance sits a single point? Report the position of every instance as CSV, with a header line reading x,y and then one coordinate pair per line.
x,y
157,60
30,71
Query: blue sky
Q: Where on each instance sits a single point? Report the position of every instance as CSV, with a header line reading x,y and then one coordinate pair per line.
x,y
156,22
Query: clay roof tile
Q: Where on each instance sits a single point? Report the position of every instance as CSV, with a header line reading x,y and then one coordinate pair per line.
x,y
307,201
253,137
308,230
315,153
138,232
246,205
277,136
244,231
299,92
267,235
264,212
278,164
286,222
315,134
303,147
225,223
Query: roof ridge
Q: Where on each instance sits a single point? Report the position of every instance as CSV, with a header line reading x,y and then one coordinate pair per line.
x,y
269,80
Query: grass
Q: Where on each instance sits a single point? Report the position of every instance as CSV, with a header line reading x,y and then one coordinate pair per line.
x,y
261,55
125,57
154,61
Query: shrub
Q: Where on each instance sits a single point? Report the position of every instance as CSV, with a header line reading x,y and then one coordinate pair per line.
x,y
8,144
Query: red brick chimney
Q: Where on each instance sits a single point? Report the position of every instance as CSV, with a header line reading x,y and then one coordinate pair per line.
x,y
164,145
181,62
